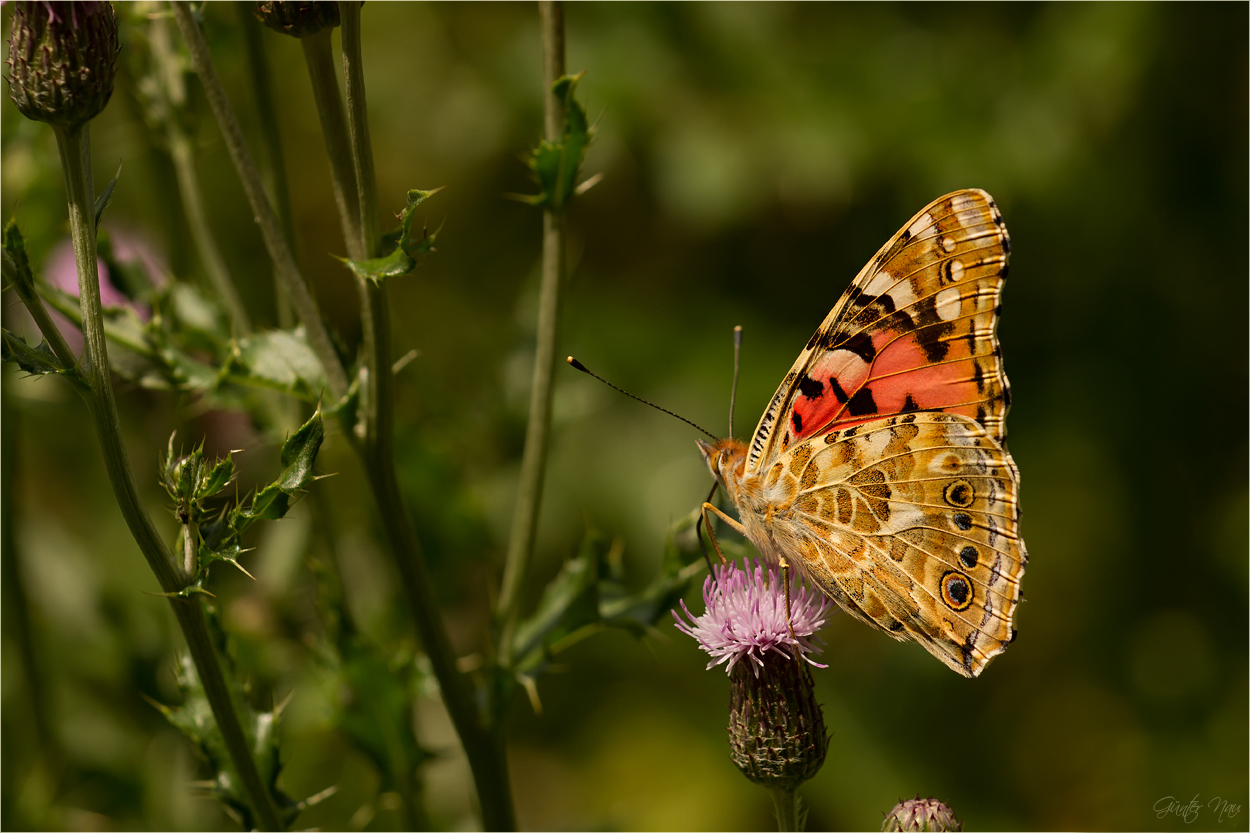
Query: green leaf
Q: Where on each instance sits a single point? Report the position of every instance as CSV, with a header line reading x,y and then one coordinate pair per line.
x,y
37,361
187,473
106,196
215,479
299,453
277,359
269,504
373,698
556,164
16,265
569,603
395,265
405,249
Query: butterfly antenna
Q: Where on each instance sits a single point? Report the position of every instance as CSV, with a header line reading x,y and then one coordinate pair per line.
x,y
579,366
733,390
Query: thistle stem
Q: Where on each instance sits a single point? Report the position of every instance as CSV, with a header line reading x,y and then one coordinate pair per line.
x,y
325,87
271,137
483,748
205,241
73,144
271,230
786,806
170,73
534,458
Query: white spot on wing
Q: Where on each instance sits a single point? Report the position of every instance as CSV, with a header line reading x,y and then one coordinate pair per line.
x,y
923,223
947,302
879,285
903,295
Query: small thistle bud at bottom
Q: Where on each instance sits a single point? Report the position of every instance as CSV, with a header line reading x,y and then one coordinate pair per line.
x,y
777,734
921,814
297,18
62,60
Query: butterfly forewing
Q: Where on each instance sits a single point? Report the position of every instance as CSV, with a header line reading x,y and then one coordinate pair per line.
x,y
914,332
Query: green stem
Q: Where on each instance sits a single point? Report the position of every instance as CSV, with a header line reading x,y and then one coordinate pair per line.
x,y
170,72
484,749
73,144
271,137
52,333
534,458
319,57
786,806
358,122
201,234
271,230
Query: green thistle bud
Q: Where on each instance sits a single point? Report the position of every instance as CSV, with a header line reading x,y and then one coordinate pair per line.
x,y
297,18
62,60
921,814
776,731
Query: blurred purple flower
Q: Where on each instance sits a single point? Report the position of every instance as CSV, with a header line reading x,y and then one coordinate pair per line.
x,y
745,616
61,271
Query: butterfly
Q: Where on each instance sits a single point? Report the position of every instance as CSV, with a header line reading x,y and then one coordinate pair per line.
x,y
879,469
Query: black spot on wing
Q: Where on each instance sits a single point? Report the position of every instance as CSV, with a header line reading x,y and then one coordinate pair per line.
x,y
797,422
862,403
861,345
811,388
837,391
909,405
931,336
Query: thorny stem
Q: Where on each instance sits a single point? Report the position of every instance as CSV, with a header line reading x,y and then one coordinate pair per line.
x,y
73,144
275,240
534,458
484,750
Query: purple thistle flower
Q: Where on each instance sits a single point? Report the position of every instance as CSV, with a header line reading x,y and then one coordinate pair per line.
x,y
777,734
745,616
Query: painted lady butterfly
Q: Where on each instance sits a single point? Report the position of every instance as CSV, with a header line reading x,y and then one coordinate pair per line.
x,y
880,469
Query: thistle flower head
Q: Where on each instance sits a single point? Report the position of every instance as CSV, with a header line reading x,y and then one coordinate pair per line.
x,y
745,616
921,814
62,60
777,734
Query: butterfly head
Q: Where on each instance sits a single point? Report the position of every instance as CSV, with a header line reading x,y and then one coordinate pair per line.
x,y
727,459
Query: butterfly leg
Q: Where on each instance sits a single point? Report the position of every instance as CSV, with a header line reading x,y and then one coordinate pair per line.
x,y
734,525
785,581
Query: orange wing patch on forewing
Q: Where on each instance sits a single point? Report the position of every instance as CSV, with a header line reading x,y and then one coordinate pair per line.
x,y
915,331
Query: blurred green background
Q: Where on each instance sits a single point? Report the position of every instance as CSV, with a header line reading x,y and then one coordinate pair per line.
x,y
754,157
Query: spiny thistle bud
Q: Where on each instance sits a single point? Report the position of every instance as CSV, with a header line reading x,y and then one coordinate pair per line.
x,y
777,735
921,814
297,18
62,60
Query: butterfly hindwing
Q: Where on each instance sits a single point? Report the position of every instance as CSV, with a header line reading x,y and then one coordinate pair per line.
x,y
911,524
914,332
